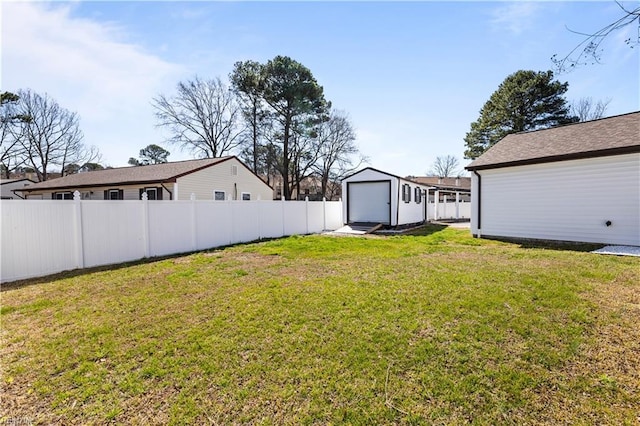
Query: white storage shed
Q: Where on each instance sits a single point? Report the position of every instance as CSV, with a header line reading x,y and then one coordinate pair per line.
x,y
578,182
374,196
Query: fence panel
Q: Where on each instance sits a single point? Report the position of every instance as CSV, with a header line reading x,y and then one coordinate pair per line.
x,y
209,217
170,227
448,210
315,215
112,232
246,221
271,218
295,218
333,215
39,237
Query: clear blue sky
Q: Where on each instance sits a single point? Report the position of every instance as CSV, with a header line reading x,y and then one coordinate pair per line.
x,y
412,75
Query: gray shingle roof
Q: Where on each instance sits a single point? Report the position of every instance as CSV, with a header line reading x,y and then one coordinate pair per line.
x,y
166,172
606,136
444,182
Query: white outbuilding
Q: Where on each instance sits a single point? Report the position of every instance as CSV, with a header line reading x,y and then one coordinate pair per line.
x,y
374,196
579,182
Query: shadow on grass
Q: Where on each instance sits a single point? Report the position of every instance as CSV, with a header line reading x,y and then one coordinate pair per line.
x,y
525,243
424,231
14,285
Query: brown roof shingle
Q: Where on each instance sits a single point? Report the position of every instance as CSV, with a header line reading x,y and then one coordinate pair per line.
x,y
166,172
605,136
444,182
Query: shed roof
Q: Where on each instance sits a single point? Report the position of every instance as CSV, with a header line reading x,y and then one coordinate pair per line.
x,y
380,171
619,134
165,172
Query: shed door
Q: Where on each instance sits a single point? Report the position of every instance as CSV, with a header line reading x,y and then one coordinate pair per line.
x,y
369,202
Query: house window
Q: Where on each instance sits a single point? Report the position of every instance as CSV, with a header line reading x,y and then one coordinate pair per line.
x,y
219,195
406,193
62,196
152,193
246,196
114,194
418,195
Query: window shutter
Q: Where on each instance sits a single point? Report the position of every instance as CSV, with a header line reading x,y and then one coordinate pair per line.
x,y
53,195
120,194
106,194
141,192
159,193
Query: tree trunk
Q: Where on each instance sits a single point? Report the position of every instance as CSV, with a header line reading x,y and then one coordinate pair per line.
x,y
286,189
255,137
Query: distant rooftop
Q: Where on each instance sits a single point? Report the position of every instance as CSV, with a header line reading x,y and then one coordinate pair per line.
x,y
165,172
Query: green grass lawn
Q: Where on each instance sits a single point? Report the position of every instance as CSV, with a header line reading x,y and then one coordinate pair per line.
x,y
430,328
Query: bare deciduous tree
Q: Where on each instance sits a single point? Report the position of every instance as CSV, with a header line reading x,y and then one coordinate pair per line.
x,y
590,50
445,166
338,155
50,135
585,109
203,117
10,149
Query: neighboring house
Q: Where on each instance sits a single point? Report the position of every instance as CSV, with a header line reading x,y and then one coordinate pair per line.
x,y
225,178
447,187
9,185
578,182
374,196
310,187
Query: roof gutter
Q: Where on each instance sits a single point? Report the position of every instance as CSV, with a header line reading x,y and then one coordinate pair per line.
x,y
632,149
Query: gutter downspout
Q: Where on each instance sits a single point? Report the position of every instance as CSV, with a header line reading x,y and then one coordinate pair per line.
x,y
479,203
167,189
398,203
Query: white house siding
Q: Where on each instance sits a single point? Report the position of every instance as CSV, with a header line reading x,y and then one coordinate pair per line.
x,y
220,177
569,201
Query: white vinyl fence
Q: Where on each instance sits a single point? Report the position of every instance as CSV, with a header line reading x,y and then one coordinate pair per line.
x,y
41,237
449,210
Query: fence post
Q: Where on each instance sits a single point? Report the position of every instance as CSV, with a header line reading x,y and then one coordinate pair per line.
x,y
258,203
436,200
306,213
145,225
445,201
231,226
194,234
284,216
78,230
457,205
324,213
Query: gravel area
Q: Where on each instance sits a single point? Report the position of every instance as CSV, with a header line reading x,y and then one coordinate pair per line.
x,y
619,250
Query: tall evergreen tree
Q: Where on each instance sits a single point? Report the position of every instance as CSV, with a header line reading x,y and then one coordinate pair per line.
x,y
298,103
247,81
525,100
